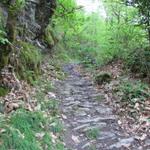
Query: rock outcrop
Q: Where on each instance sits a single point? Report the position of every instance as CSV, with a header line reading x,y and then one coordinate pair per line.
x,y
32,19
23,21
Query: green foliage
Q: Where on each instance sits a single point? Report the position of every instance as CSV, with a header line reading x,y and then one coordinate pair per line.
x,y
49,35
144,11
3,39
17,141
94,40
5,1
61,54
133,91
93,133
103,77
24,130
3,91
28,65
20,131
56,126
24,121
139,61
17,6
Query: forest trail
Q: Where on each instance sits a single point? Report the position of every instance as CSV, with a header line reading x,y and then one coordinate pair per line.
x,y
89,123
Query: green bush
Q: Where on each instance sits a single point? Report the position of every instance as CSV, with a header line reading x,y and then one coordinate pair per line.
x,y
3,39
133,92
103,77
17,6
139,61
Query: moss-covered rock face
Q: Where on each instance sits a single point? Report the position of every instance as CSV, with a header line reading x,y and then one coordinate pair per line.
x,y
24,20
28,61
103,77
1,19
49,36
3,39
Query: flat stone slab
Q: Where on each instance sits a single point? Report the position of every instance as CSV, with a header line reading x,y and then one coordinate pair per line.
x,y
89,120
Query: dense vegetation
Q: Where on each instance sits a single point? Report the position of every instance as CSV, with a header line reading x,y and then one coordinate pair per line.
x,y
98,40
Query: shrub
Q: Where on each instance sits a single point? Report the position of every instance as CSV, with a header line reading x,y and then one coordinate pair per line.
x,y
139,61
103,77
133,92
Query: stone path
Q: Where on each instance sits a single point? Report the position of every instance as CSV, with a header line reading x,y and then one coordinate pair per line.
x,y
89,123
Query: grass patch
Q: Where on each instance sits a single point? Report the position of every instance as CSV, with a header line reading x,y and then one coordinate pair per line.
x,y
56,126
3,91
93,133
20,131
25,130
100,97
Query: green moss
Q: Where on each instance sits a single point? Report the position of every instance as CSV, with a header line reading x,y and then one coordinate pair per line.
x,y
16,7
29,61
3,39
1,19
3,91
49,37
103,77
93,133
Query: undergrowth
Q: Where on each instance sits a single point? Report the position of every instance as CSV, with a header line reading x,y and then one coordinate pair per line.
x,y
3,91
34,130
93,133
132,92
20,131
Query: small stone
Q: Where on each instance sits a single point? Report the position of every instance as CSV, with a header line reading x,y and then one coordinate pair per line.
x,y
88,120
80,113
64,116
81,126
86,105
147,142
72,103
51,95
86,145
84,109
106,135
104,110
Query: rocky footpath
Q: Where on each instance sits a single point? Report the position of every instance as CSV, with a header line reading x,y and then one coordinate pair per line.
x,y
89,123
